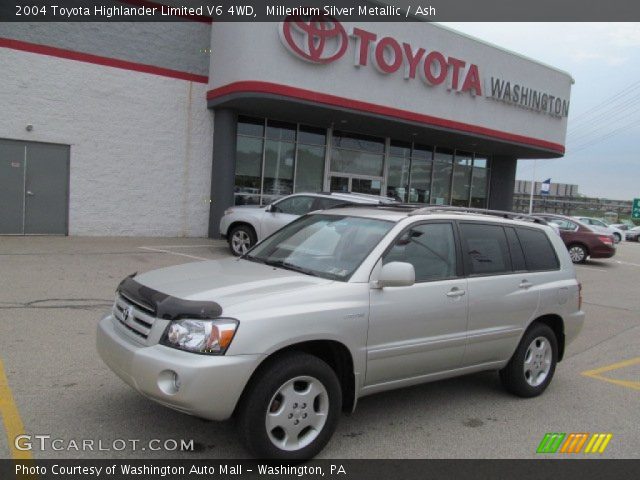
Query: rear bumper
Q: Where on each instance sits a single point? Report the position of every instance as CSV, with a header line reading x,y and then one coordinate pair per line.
x,y
602,251
209,386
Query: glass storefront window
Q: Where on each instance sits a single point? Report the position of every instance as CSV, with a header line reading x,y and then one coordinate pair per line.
x,y
421,165
281,131
442,168
276,158
278,168
310,168
479,182
461,179
266,155
312,136
357,154
248,170
398,171
253,127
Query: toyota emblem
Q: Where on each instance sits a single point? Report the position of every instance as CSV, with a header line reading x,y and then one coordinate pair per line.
x,y
316,39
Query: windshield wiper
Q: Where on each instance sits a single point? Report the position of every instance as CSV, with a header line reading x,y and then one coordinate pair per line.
x,y
289,266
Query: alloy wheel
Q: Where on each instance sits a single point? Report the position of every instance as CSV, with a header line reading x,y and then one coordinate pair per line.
x,y
240,242
297,413
537,361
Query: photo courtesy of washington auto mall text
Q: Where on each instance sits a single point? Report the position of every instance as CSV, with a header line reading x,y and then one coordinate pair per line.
x,y
350,239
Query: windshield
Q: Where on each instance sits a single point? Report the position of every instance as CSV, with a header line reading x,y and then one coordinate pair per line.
x,y
328,246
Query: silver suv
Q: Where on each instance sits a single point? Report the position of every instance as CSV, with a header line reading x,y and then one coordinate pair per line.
x,y
245,225
341,304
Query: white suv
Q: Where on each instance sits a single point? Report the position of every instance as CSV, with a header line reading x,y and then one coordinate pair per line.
x,y
340,304
244,226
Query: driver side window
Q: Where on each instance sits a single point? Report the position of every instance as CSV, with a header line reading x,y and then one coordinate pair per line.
x,y
294,205
430,248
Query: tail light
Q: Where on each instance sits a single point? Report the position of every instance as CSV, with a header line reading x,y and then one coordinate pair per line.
x,y
579,296
606,240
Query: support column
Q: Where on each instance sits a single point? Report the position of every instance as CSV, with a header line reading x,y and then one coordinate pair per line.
x,y
223,169
502,182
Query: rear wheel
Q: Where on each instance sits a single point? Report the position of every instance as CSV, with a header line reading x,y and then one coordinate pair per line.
x,y
578,253
291,409
241,239
532,366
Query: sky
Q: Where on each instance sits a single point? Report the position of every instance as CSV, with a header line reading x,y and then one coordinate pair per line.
x,y
603,140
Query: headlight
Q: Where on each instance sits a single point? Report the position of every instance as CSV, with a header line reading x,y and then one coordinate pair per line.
x,y
212,337
228,211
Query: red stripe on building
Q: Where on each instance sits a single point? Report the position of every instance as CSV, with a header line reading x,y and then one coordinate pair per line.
x,y
99,60
333,100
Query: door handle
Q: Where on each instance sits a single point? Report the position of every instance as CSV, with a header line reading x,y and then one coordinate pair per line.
x,y
455,292
30,193
525,284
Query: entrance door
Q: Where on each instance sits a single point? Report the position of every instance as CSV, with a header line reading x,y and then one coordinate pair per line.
x,y
34,188
350,183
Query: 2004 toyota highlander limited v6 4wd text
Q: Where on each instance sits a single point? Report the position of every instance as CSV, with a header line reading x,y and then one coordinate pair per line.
x,y
345,303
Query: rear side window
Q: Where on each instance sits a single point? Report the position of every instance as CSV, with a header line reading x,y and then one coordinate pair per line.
x,y
538,251
485,249
517,255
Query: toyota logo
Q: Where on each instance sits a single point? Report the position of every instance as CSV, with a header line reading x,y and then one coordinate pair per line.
x,y
316,39
127,313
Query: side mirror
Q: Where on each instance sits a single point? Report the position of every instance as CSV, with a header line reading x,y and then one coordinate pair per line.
x,y
270,208
397,274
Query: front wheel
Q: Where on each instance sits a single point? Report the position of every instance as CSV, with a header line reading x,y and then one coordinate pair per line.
x,y
532,366
241,239
578,253
618,237
291,409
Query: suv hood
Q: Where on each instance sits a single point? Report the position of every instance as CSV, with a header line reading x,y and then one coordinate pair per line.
x,y
227,281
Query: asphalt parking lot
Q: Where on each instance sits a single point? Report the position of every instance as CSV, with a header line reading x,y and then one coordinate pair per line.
x,y
53,291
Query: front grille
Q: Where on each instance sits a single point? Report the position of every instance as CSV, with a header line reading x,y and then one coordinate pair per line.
x,y
135,318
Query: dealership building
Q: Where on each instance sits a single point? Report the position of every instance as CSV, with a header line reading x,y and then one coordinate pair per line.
x,y
154,129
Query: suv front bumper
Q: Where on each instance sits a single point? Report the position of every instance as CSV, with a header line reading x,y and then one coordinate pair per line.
x,y
209,385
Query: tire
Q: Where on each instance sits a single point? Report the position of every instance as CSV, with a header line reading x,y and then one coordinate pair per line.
x,y
241,238
287,433
618,237
578,253
533,364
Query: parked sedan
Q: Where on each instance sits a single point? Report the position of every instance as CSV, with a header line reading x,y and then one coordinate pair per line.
x,y
601,226
244,226
633,234
582,241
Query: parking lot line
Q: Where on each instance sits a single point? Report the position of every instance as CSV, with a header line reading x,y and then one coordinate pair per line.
x,y
597,373
13,425
160,250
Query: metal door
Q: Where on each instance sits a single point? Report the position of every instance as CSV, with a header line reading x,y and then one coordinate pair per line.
x,y
34,188
12,177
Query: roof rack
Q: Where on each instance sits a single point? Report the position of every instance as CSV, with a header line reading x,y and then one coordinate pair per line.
x,y
479,211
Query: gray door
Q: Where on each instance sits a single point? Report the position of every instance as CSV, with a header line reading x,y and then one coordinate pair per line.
x,y
12,176
34,188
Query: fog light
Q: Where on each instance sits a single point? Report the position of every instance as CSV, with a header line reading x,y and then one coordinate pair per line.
x,y
169,382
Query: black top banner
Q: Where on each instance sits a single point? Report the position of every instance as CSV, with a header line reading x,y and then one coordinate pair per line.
x,y
210,11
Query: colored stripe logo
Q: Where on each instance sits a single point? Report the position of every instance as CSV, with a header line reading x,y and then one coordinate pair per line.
x,y
574,442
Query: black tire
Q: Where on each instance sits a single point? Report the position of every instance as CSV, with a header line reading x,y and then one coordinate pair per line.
x,y
513,376
241,233
263,394
618,237
578,253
